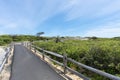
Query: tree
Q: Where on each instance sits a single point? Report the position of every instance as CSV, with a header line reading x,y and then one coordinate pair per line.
x,y
40,33
93,38
57,39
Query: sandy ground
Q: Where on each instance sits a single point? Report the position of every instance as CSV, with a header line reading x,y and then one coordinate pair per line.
x,y
58,68
5,74
2,53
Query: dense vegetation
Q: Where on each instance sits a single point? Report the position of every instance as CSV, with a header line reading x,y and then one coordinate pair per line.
x,y
6,39
103,54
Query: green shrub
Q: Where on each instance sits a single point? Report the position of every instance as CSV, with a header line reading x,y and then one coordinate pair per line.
x,y
101,54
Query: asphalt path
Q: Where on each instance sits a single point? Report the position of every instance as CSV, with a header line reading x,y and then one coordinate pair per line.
x,y
27,66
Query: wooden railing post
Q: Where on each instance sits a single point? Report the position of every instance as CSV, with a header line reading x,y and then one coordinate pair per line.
x,y
27,45
34,49
30,46
10,46
65,63
43,54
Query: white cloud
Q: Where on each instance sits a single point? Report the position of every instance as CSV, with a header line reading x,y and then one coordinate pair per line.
x,y
108,30
15,27
92,9
28,14
110,8
79,8
25,15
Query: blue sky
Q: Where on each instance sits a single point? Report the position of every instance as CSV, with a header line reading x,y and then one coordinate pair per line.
x,y
99,18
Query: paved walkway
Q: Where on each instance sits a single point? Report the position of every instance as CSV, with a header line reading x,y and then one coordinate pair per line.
x,y
28,67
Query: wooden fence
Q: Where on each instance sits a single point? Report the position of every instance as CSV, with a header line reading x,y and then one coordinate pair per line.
x,y
45,53
5,58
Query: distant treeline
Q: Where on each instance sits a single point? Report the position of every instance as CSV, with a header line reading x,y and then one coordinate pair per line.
x,y
6,39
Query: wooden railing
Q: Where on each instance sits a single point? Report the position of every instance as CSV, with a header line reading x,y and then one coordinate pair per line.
x,y
5,58
45,53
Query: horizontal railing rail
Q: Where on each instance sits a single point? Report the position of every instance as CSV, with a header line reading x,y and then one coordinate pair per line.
x,y
64,64
107,75
49,52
